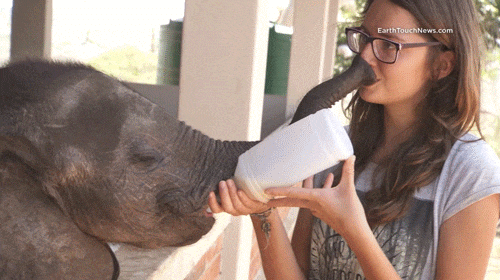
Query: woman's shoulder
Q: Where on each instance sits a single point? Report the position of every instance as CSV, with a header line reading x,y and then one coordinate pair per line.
x,y
470,173
474,153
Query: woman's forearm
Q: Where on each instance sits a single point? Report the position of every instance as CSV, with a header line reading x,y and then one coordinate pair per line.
x,y
301,239
278,259
341,209
373,261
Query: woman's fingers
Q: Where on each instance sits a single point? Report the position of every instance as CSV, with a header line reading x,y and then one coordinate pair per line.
x,y
348,172
225,199
240,207
308,183
214,205
288,202
291,196
328,182
291,192
231,201
254,205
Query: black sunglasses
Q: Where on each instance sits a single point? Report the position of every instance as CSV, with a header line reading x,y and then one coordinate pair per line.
x,y
385,50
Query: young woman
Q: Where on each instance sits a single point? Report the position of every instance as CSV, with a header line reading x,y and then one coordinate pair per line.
x,y
422,200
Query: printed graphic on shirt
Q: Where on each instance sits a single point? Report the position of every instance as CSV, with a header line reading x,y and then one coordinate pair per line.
x,y
405,242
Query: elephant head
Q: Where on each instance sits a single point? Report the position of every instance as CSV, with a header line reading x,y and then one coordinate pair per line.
x,y
113,163
118,165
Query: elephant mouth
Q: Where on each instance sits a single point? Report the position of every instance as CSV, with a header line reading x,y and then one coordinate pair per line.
x,y
208,212
205,212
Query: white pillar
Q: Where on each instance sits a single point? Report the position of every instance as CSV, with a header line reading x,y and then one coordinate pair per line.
x,y
237,249
223,65
31,29
313,47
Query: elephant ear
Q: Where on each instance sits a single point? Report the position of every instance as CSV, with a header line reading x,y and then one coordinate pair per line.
x,y
37,241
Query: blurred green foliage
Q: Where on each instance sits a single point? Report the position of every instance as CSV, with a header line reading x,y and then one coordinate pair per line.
x,y
489,14
348,16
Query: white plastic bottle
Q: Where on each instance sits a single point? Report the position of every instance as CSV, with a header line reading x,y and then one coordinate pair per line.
x,y
293,154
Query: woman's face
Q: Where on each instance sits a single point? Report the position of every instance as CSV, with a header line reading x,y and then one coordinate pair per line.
x,y
401,85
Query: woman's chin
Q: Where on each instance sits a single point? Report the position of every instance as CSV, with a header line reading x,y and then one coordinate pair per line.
x,y
369,94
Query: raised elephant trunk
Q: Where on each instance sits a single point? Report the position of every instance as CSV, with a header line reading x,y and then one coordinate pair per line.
x,y
329,92
320,97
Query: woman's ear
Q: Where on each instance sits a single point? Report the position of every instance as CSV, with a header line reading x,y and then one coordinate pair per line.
x,y
443,64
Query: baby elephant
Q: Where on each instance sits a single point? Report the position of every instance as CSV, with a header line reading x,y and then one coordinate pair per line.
x,y
85,160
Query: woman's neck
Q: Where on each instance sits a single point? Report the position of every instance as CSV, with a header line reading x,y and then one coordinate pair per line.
x,y
399,126
399,122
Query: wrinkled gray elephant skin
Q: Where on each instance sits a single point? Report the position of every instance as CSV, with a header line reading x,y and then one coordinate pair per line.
x,y
37,241
85,160
326,94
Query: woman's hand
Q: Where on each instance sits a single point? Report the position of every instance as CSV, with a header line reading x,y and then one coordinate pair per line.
x,y
339,207
234,201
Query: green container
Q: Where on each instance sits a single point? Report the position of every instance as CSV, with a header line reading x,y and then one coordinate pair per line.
x,y
169,53
278,59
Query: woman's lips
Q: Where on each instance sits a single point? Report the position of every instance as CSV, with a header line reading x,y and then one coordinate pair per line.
x,y
369,85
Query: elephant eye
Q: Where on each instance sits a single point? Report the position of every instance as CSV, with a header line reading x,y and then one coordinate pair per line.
x,y
144,156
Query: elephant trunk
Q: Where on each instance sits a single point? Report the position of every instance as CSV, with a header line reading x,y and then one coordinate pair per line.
x,y
329,92
320,97
226,153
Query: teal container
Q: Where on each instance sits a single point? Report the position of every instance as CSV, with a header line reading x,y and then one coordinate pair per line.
x,y
278,57
278,60
169,53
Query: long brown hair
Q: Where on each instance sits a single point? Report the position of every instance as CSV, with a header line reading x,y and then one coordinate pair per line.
x,y
449,110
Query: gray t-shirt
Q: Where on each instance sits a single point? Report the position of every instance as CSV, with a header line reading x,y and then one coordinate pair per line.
x,y
471,172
